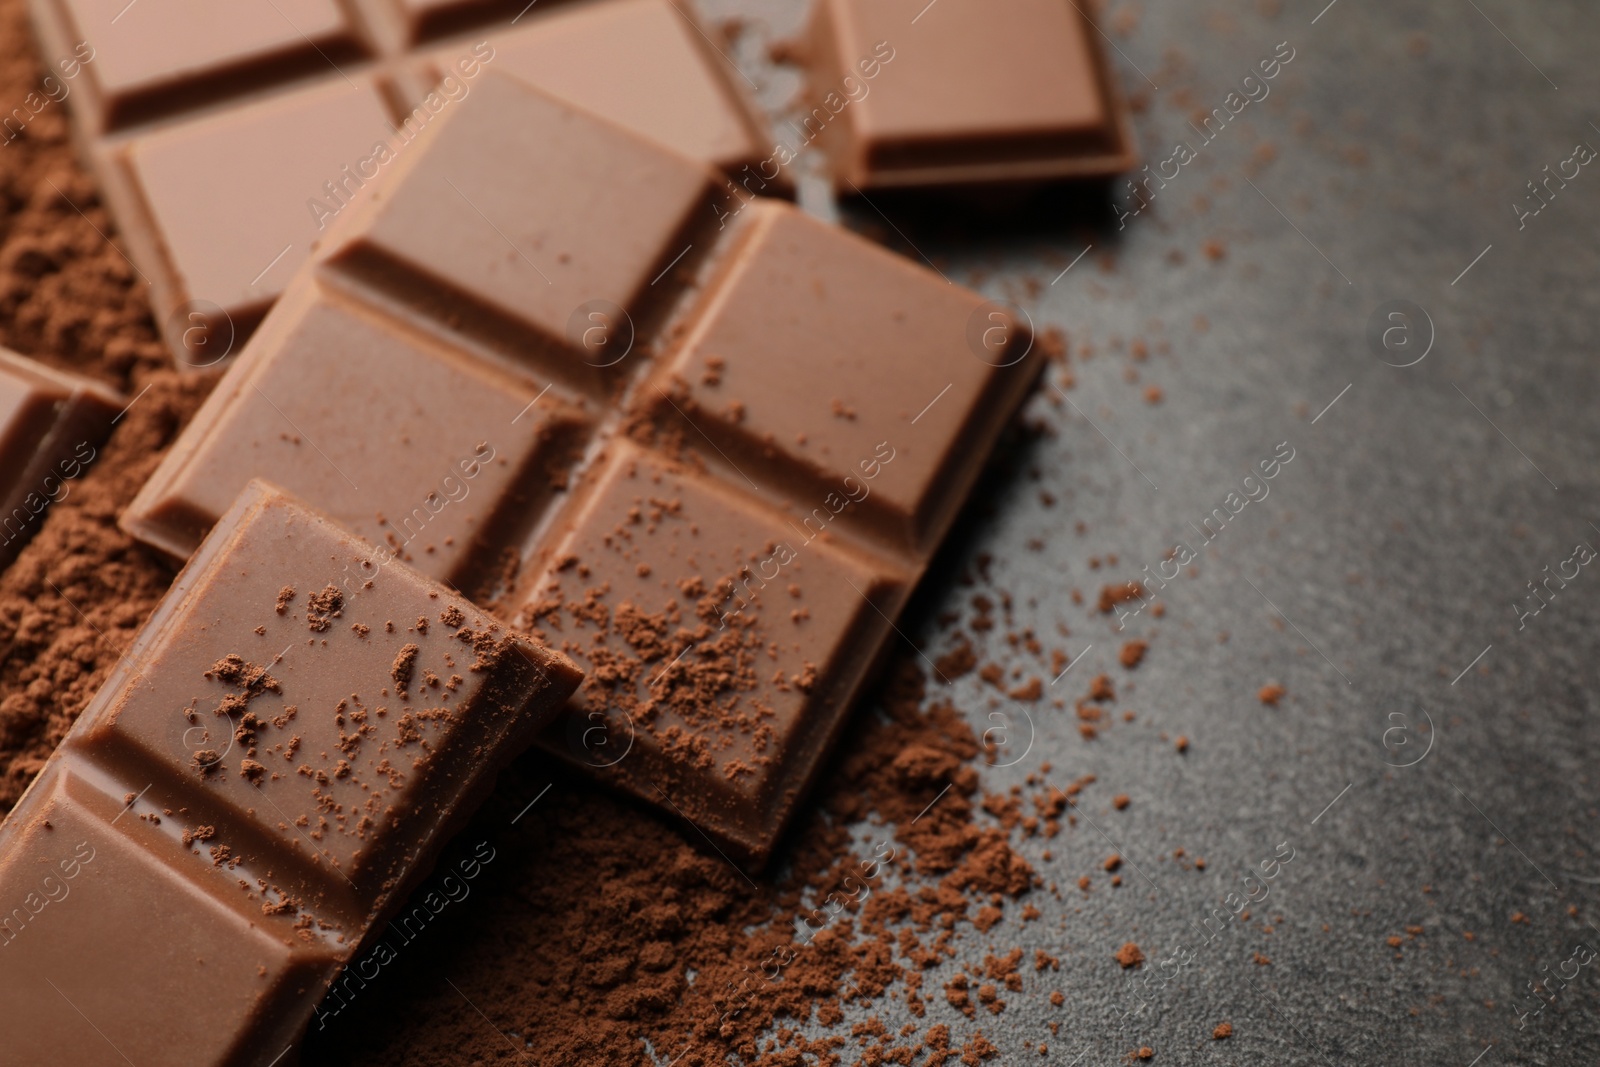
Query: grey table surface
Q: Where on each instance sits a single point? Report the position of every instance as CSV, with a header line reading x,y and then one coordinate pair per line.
x,y
1430,764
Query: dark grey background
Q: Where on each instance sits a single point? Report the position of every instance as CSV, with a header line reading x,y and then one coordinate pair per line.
x,y
1387,557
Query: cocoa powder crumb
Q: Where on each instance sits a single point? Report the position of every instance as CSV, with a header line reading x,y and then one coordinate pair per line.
x,y
405,663
322,608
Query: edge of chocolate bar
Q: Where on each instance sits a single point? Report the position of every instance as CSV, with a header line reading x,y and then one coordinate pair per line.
x,y
80,416
374,823
971,164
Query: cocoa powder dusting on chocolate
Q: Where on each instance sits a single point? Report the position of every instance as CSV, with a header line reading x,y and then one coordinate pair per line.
x,y
322,608
405,663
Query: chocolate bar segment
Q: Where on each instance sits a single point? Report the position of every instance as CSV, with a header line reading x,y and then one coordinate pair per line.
x,y
650,67
884,346
745,489
455,238
722,644
185,48
226,142
229,197
962,92
51,423
263,777
440,459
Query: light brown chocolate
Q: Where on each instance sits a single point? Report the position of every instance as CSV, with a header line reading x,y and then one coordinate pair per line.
x,y
262,779
903,93
227,141
51,424
728,437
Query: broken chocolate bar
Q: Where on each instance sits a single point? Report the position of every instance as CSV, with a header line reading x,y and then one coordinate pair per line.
x,y
51,423
227,140
706,446
905,93
265,774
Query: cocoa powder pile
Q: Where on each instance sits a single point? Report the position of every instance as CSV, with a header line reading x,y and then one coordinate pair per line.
x,y
599,933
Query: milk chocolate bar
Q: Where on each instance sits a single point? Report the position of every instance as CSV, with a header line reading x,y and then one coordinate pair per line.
x,y
227,138
51,423
264,776
704,445
904,93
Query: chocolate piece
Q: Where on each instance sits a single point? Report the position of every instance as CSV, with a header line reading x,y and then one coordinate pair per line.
x,y
764,446
881,340
454,238
726,640
249,794
227,142
146,61
904,93
51,423
438,458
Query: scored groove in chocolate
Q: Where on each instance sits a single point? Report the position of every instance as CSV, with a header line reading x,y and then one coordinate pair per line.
x,y
752,462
